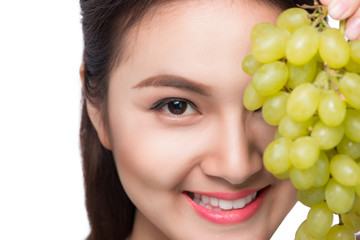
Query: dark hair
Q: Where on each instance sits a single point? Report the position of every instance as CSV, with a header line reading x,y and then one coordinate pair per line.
x,y
106,22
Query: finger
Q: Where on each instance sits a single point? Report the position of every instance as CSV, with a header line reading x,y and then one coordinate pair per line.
x,y
353,26
325,2
342,9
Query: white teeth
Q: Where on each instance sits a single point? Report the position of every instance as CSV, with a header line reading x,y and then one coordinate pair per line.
x,y
240,203
226,205
214,202
197,195
253,196
221,204
208,207
205,199
248,199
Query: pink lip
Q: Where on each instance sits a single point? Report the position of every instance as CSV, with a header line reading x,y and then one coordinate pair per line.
x,y
230,216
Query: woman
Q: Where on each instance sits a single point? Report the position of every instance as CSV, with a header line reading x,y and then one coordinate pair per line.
x,y
169,150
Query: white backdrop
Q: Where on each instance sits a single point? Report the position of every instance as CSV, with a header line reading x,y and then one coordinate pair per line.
x,y
41,186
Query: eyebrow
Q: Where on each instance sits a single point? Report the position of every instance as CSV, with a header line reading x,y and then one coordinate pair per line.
x,y
165,80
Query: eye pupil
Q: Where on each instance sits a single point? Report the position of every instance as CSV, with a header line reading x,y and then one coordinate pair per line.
x,y
177,107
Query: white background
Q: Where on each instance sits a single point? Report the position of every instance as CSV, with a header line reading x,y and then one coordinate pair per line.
x,y
41,186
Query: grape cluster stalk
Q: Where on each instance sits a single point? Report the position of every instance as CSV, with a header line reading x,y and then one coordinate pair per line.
x,y
306,81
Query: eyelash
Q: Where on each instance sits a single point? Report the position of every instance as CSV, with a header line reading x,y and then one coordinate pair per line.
x,y
163,102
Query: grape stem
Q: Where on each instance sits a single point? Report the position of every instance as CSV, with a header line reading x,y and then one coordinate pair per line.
x,y
334,76
318,17
315,6
342,26
340,220
334,82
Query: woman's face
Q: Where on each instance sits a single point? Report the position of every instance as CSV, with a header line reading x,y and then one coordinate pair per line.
x,y
188,153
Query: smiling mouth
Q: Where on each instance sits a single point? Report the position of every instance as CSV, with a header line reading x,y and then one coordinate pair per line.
x,y
227,208
217,204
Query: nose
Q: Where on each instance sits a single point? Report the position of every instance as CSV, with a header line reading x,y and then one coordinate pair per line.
x,y
233,155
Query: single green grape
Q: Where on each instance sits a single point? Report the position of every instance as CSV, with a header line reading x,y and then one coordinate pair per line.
x,y
323,170
270,45
340,232
303,233
292,19
333,48
356,207
270,78
352,124
276,156
302,46
303,179
304,152
303,102
352,66
260,29
322,80
345,170
327,137
357,190
291,129
301,74
311,196
250,64
355,50
319,219
352,220
252,99
349,86
284,175
349,147
274,108
331,108
339,198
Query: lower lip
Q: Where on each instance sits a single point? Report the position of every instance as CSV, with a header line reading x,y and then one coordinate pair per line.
x,y
229,216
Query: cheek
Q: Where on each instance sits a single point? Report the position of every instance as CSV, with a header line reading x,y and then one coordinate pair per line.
x,y
149,156
259,131
282,200
287,197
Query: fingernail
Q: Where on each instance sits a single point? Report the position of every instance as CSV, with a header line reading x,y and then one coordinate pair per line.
x,y
353,29
338,9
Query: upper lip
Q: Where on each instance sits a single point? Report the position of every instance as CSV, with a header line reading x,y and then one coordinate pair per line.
x,y
229,196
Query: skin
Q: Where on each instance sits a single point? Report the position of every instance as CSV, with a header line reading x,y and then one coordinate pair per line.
x,y
346,9
216,146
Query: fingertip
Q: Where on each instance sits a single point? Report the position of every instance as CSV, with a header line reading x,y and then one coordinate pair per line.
x,y
342,9
325,2
352,31
338,9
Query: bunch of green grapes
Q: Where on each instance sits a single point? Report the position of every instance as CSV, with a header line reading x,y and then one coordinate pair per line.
x,y
306,80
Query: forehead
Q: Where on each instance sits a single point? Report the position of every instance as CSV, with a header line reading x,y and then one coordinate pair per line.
x,y
182,22
191,38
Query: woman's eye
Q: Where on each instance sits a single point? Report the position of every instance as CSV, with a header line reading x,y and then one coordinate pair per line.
x,y
175,107
178,108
